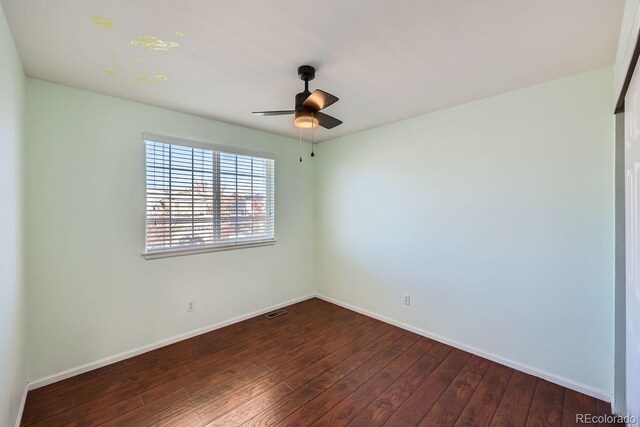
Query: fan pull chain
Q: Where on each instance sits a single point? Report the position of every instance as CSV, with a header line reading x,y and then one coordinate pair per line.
x,y
312,154
300,149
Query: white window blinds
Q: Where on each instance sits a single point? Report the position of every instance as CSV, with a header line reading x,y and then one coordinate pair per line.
x,y
199,198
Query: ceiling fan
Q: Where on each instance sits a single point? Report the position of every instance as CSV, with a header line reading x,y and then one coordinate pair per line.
x,y
308,105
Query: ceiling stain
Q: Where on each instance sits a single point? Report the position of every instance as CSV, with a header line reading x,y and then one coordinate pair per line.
x,y
102,22
145,80
179,33
110,73
160,77
154,43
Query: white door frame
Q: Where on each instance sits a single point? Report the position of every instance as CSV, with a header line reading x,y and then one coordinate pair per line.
x,y
626,398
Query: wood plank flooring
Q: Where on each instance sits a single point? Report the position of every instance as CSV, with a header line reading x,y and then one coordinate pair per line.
x,y
318,365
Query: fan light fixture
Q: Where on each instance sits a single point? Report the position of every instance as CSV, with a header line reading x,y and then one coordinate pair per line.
x,y
305,120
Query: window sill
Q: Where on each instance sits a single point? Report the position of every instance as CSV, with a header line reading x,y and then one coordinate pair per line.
x,y
200,250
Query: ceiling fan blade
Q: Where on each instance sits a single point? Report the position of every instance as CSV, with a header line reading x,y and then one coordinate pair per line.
x,y
319,100
273,113
326,121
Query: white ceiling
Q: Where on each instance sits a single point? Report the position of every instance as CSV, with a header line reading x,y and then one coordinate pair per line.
x,y
386,60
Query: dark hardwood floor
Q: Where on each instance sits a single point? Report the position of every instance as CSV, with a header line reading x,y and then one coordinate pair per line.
x,y
317,365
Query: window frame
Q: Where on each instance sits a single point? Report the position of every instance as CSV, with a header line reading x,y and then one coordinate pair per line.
x,y
165,253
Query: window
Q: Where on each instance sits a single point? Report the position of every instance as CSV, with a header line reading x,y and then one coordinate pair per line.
x,y
202,197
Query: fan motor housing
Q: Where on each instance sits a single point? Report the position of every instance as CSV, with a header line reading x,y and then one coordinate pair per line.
x,y
300,98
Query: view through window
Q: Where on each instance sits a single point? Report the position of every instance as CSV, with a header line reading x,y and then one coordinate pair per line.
x,y
199,198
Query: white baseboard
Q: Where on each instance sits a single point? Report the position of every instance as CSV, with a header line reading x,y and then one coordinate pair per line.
x,y
32,385
556,379
22,403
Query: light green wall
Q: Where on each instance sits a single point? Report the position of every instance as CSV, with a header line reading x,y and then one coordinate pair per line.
x,y
13,376
496,216
91,293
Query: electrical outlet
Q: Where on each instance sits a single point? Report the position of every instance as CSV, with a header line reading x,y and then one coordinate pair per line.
x,y
191,306
407,299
